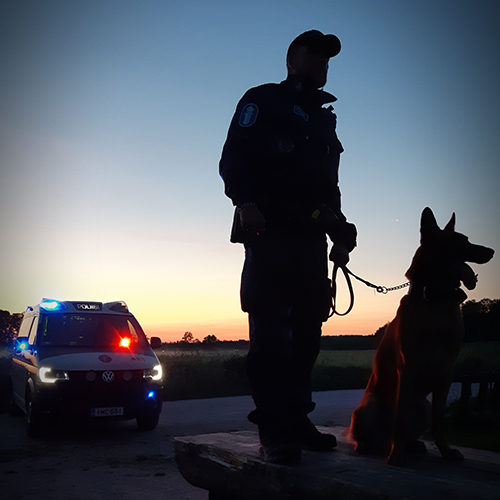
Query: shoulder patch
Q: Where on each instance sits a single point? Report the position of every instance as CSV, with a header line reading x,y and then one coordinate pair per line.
x,y
249,115
299,111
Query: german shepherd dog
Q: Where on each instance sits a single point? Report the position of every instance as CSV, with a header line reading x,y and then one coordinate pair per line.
x,y
419,348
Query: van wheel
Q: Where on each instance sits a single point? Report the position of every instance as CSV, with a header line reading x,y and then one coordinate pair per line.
x,y
148,422
34,422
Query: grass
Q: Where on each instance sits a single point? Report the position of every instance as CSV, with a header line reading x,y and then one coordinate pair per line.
x,y
477,357
219,372
200,375
344,359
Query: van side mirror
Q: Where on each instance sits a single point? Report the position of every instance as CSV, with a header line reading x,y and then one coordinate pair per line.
x,y
155,342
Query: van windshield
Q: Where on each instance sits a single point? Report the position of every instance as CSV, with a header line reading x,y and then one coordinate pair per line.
x,y
90,330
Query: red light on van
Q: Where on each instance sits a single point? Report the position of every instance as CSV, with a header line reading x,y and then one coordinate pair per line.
x,y
125,342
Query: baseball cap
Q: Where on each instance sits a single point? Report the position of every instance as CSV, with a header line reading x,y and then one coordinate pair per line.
x,y
328,45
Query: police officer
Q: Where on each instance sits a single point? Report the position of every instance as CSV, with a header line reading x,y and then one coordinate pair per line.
x,y
280,169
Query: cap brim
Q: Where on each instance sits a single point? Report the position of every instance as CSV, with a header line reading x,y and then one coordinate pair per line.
x,y
329,45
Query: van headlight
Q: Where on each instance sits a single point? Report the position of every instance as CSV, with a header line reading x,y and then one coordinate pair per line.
x,y
154,373
49,376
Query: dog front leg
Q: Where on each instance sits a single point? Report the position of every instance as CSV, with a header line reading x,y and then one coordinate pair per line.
x,y
439,399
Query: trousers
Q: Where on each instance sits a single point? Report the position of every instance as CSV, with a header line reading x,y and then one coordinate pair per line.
x,y
286,292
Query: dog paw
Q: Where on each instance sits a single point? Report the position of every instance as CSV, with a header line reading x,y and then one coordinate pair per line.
x,y
397,460
415,447
360,448
452,455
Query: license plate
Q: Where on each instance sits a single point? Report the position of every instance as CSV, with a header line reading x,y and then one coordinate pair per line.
x,y
107,412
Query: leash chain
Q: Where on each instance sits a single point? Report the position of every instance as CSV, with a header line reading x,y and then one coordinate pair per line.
x,y
347,272
380,289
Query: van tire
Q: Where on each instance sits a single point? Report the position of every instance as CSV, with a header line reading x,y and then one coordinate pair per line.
x,y
34,420
148,422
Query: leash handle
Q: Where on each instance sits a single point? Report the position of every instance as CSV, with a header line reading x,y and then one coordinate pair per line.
x,y
347,272
334,291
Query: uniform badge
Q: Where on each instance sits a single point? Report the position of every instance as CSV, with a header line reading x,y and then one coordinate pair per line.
x,y
249,115
299,111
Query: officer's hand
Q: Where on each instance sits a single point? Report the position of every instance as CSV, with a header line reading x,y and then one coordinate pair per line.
x,y
252,219
339,254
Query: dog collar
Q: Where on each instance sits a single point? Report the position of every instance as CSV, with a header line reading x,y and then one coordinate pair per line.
x,y
438,294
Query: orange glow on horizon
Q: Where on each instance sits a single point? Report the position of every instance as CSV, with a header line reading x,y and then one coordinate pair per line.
x,y
358,322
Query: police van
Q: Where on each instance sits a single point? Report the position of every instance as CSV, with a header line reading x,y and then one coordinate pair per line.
x,y
84,360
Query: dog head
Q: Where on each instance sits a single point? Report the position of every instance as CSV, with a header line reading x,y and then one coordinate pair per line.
x,y
443,254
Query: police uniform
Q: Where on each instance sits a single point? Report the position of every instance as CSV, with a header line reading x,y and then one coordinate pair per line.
x,y
282,154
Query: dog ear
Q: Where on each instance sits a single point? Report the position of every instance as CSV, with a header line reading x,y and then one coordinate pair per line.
x,y
428,224
451,225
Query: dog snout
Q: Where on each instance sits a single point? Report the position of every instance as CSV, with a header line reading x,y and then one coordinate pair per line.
x,y
480,254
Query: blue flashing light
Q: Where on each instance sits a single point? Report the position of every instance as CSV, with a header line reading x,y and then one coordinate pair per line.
x,y
151,395
52,305
22,346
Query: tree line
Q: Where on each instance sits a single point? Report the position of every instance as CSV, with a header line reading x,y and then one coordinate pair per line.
x,y
481,322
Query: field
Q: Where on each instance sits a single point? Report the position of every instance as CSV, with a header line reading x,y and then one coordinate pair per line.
x,y
218,372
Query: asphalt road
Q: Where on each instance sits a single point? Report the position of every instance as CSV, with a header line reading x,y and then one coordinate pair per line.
x,y
116,461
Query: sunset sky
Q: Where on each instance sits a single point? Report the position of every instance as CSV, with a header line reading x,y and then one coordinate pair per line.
x,y
113,114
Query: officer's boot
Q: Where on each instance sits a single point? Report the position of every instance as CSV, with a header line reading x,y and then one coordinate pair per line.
x,y
313,440
279,444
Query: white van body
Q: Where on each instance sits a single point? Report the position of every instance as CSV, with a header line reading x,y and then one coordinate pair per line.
x,y
84,360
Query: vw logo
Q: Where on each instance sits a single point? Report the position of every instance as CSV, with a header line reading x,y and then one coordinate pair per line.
x,y
108,376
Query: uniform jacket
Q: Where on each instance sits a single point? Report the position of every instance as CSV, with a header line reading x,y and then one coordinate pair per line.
x,y
282,153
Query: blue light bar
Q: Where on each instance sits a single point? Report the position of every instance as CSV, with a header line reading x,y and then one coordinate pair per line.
x,y
52,305
22,346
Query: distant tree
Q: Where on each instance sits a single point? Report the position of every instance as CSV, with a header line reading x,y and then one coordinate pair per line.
x,y
210,339
9,325
481,320
187,338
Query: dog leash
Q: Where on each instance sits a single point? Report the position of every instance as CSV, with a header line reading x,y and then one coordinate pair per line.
x,y
347,274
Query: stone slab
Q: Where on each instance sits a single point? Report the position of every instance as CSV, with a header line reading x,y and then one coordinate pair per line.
x,y
228,465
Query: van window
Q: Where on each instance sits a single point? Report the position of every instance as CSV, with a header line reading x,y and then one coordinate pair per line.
x,y
24,331
133,333
32,334
90,330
